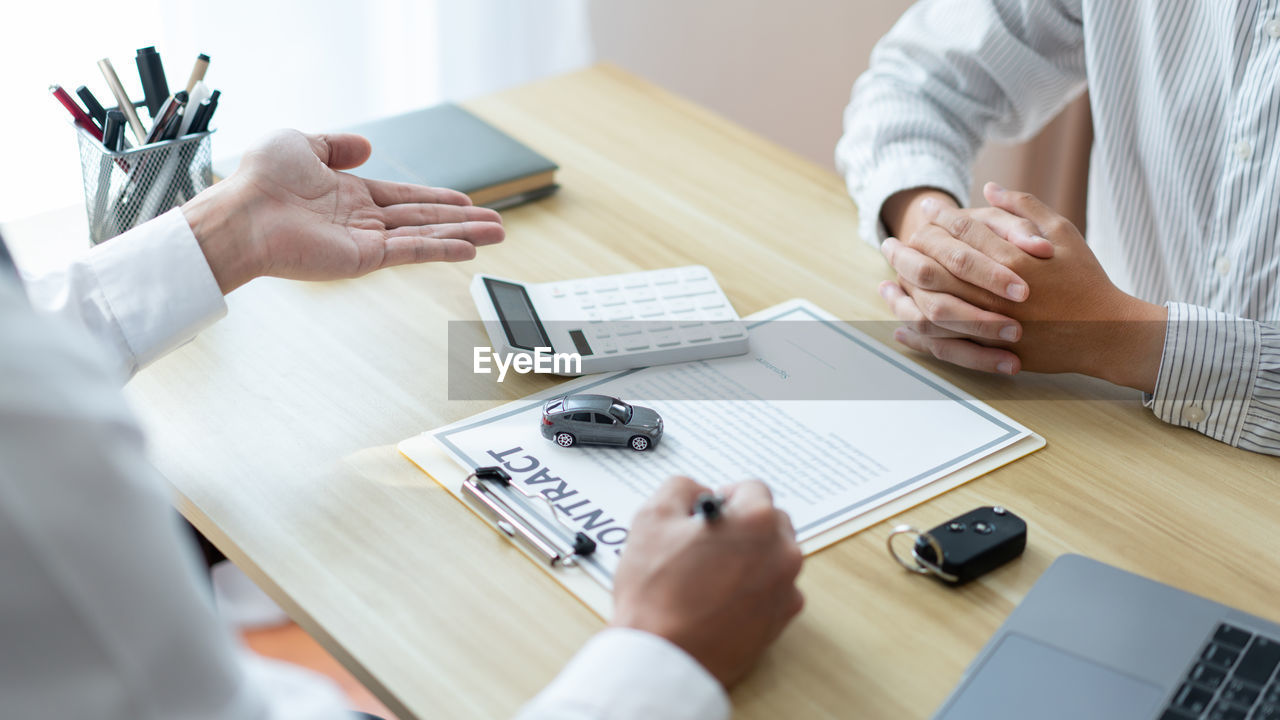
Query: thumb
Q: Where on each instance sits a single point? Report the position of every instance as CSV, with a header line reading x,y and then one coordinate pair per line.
x,y
340,151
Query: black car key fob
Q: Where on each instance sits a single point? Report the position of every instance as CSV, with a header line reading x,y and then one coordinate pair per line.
x,y
971,545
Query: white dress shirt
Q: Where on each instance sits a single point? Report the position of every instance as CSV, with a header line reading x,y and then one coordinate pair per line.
x,y
103,613
1184,183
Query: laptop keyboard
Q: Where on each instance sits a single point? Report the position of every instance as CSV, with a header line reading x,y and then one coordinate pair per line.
x,y
1233,679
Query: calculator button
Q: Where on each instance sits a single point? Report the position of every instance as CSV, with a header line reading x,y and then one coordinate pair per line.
x,y
635,344
665,278
592,316
701,287
605,286
720,316
729,332
644,296
626,329
693,274
679,306
712,303
581,289
635,283
666,339
657,327
612,300
588,303
696,334
607,346
619,314
602,332
648,314
558,291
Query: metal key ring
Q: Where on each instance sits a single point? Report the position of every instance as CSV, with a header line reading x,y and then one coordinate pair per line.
x,y
922,566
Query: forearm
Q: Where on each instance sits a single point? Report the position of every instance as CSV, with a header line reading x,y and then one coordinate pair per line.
x,y
140,295
949,76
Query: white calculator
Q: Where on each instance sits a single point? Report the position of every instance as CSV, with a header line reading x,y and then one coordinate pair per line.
x,y
613,322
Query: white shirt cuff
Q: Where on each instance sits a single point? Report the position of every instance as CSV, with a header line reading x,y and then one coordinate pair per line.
x,y
624,674
1208,370
871,190
158,286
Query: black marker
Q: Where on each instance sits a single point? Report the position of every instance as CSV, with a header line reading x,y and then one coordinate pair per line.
x,y
113,131
708,506
96,111
155,88
204,114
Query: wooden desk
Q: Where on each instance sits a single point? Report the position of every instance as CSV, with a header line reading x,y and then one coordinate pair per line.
x,y
277,428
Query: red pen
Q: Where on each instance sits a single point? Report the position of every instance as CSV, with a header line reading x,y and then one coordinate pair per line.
x,y
81,117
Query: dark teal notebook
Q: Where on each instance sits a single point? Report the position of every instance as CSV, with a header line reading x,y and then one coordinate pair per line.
x,y
446,146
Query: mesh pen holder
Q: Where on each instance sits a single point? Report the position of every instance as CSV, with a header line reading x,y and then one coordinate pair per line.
x,y
126,189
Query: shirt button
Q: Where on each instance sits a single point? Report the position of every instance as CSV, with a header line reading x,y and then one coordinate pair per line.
x,y
1243,149
1223,266
1193,414
1273,27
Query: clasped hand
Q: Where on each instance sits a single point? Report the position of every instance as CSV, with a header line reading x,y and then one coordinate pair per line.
x,y
1014,286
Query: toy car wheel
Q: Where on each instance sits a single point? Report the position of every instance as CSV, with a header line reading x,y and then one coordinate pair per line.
x,y
639,443
565,439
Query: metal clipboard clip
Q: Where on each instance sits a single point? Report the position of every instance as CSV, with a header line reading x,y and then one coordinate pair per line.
x,y
507,517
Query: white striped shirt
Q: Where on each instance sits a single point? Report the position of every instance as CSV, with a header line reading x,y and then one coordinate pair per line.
x,y
1184,183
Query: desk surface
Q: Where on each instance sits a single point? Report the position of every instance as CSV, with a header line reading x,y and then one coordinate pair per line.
x,y
277,428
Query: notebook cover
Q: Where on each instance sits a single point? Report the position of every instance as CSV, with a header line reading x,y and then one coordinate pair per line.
x,y
446,146
441,146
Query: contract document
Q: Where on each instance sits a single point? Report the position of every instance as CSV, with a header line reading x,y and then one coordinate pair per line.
x,y
844,431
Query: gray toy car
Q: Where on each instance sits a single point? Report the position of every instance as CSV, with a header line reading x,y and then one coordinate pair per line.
x,y
599,420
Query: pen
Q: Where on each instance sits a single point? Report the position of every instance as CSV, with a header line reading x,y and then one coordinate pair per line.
x,y
162,120
197,72
96,111
175,122
81,117
155,89
122,99
198,95
113,130
201,122
708,506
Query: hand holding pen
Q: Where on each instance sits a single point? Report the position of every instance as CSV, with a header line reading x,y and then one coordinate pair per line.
x,y
721,593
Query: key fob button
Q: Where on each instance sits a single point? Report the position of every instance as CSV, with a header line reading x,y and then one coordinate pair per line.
x,y
955,526
984,528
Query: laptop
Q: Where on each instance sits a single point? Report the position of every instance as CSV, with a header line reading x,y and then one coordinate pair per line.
x,y
1094,642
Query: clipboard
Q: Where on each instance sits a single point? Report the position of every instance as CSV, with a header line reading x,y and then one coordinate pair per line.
x,y
535,531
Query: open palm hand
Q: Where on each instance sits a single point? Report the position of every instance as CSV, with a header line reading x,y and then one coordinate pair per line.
x,y
290,212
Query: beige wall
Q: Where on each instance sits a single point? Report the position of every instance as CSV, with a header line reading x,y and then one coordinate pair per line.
x,y
785,69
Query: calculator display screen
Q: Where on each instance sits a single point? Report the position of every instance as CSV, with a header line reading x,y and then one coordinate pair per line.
x,y
519,320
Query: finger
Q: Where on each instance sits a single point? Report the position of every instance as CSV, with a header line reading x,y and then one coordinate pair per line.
x,y
476,233
904,308
964,353
746,495
959,316
1019,231
387,193
920,269
340,151
394,216
413,250
785,528
677,495
1024,205
971,252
